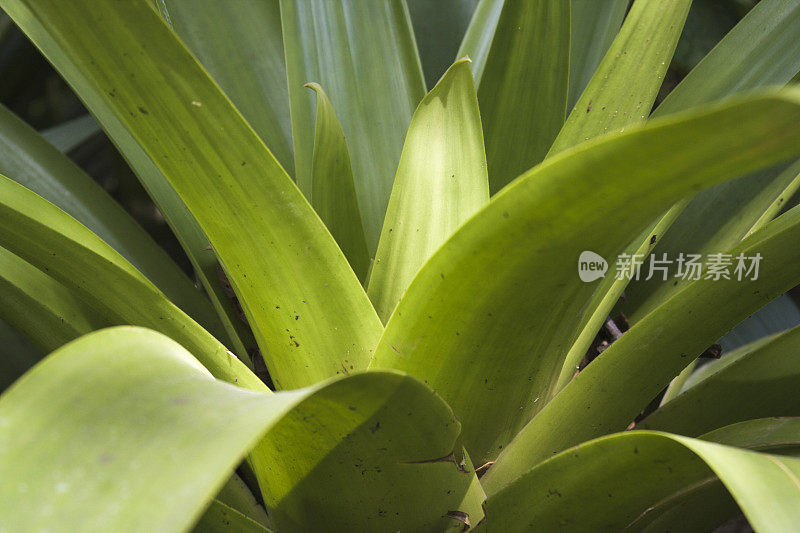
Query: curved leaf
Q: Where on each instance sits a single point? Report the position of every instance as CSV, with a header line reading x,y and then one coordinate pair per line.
x,y
752,382
441,181
32,162
626,82
461,325
759,51
714,220
611,483
237,495
184,226
43,310
479,36
762,49
219,518
240,44
144,439
364,54
523,91
707,504
593,26
608,394
283,264
48,238
333,193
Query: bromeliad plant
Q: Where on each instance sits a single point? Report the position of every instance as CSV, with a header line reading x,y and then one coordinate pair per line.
x,y
408,276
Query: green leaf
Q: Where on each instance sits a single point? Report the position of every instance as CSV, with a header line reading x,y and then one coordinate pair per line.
x,y
72,133
51,240
34,163
613,482
761,50
240,44
441,182
754,381
16,355
459,325
364,54
282,262
160,437
220,518
180,220
626,82
479,36
778,435
237,495
46,312
439,26
705,505
608,394
523,90
333,192
593,26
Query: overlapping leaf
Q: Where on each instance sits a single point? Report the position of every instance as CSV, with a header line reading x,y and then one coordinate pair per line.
x,y
46,312
31,161
160,437
363,54
523,88
441,181
754,381
625,84
589,487
333,192
48,238
487,319
291,278
240,44
611,391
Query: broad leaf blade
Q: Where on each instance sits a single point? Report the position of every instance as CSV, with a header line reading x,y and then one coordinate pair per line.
x,y
759,51
751,382
626,82
593,26
363,54
763,49
48,238
608,394
333,193
611,483
220,518
441,181
144,439
458,325
523,91
239,43
479,36
46,312
35,164
262,229
714,220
